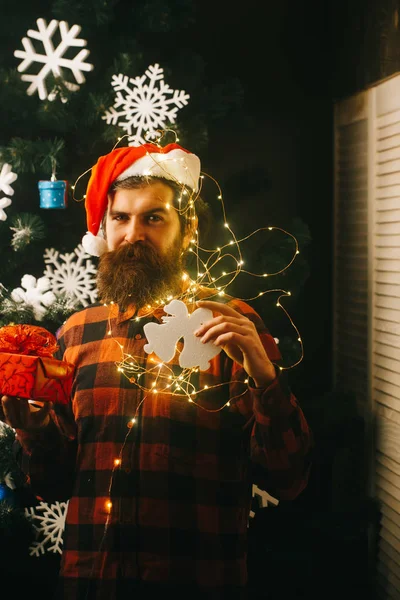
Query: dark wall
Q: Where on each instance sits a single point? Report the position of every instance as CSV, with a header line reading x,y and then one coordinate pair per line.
x,y
276,163
366,43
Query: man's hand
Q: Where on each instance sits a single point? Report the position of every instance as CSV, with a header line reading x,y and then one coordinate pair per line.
x,y
20,413
238,337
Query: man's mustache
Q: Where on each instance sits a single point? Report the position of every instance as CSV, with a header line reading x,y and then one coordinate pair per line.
x,y
138,252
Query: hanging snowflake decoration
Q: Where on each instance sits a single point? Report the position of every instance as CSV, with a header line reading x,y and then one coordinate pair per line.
x,y
7,177
72,274
49,523
141,107
4,202
52,57
34,292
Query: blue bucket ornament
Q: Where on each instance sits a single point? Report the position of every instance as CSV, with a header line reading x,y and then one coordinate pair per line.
x,y
53,194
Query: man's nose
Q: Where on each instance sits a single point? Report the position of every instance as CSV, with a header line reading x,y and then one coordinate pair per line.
x,y
134,231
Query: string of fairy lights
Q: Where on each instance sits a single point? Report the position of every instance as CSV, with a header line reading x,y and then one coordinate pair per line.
x,y
162,377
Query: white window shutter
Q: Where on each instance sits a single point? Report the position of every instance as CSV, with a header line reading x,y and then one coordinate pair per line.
x,y
367,295
386,331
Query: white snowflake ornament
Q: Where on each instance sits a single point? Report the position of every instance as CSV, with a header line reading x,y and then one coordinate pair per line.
x,y
35,293
144,106
49,523
4,202
6,178
72,274
52,57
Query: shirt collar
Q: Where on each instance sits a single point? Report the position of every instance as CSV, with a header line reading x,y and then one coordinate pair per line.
x,y
123,315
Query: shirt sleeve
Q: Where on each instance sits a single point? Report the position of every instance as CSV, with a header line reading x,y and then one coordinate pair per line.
x,y
281,440
47,457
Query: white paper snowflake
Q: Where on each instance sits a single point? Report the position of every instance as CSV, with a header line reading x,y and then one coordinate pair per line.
x,y
141,107
4,202
72,274
34,292
52,57
49,523
6,178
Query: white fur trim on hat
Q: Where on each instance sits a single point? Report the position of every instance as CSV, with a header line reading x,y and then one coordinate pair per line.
x,y
95,245
177,165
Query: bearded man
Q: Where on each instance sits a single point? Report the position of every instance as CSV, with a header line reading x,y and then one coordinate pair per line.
x,y
159,487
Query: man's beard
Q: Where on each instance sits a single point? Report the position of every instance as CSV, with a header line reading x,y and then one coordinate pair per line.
x,y
137,274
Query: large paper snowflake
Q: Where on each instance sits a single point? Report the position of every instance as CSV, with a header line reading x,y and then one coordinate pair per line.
x,y
34,292
49,522
141,107
72,274
52,57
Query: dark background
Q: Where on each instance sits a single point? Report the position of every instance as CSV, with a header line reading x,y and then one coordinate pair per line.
x,y
294,59
282,52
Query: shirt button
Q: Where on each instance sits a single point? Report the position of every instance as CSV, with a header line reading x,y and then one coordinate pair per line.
x,y
138,336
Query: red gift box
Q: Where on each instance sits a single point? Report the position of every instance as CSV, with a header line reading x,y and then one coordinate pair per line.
x,y
27,366
35,377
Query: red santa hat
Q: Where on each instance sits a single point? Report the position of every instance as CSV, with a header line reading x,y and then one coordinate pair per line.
x,y
170,162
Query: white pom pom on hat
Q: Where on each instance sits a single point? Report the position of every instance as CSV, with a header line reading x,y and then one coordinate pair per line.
x,y
169,162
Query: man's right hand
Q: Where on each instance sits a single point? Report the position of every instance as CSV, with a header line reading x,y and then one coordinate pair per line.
x,y
20,413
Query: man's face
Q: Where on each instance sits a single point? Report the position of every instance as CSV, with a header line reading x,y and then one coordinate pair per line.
x,y
143,215
145,244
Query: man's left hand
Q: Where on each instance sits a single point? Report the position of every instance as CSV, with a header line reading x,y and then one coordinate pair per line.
x,y
238,337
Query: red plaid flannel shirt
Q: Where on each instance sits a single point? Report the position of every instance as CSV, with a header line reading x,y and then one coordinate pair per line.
x,y
180,498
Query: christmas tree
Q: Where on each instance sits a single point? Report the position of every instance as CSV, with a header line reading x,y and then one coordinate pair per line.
x,y
76,79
